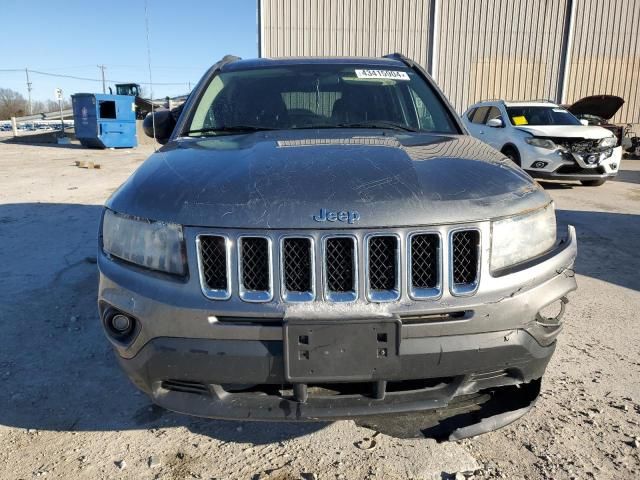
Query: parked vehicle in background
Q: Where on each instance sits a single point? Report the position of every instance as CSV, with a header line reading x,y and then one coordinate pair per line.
x,y
598,110
630,141
546,140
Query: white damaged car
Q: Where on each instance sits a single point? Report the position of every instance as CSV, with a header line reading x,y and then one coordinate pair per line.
x,y
546,140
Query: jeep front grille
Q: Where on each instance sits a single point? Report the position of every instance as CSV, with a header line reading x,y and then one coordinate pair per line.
x,y
424,265
255,269
314,266
383,265
340,267
298,279
465,254
214,261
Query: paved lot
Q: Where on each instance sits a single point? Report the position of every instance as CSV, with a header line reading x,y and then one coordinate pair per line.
x,y
66,410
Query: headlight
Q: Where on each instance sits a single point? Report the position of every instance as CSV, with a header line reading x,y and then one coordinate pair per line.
x,y
516,239
608,142
154,245
541,142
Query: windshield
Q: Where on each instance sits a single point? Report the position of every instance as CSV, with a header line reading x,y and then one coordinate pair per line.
x,y
318,96
541,116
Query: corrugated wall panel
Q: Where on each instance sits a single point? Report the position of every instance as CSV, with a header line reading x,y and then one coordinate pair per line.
x,y
345,27
499,49
605,56
509,49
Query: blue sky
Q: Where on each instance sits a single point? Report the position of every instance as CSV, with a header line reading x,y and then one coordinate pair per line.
x,y
186,37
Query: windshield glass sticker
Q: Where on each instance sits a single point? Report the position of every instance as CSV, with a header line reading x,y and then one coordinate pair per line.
x,y
559,110
520,120
382,74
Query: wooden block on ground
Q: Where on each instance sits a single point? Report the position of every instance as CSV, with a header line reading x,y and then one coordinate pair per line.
x,y
87,164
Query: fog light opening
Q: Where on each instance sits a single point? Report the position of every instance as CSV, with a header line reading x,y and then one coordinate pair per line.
x,y
121,323
551,315
120,326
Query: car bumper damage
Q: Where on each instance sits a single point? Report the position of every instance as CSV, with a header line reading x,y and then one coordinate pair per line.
x,y
565,165
444,371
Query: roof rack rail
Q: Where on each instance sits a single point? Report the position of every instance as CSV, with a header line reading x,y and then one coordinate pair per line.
x,y
400,57
228,59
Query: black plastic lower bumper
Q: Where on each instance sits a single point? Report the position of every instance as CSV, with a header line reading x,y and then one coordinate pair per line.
x,y
246,380
583,174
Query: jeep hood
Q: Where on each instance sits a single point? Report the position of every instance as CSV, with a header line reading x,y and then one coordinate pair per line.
x,y
567,131
281,179
603,106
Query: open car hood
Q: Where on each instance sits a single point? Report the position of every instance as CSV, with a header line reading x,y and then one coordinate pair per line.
x,y
603,106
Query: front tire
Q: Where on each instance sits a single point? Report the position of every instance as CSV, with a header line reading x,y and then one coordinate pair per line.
x,y
593,183
513,155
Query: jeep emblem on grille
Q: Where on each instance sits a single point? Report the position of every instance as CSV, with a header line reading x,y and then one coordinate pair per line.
x,y
349,216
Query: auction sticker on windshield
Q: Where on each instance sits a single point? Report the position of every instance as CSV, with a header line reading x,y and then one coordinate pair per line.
x,y
385,74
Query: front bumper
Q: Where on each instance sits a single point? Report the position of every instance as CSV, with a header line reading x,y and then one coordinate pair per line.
x,y
189,361
245,380
562,166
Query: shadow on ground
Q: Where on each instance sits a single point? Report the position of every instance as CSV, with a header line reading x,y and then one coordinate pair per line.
x,y
608,245
57,371
628,176
43,139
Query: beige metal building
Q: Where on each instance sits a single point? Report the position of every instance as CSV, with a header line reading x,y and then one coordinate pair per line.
x,y
476,49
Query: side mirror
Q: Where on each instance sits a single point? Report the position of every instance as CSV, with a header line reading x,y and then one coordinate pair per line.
x,y
584,122
495,123
164,125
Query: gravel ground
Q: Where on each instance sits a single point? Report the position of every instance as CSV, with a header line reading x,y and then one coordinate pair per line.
x,y
66,410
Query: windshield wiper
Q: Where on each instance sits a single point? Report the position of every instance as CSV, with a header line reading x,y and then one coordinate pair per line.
x,y
229,129
378,124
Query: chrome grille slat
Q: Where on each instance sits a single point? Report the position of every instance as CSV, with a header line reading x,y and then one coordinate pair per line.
x,y
425,266
213,260
383,267
340,268
297,269
465,261
255,277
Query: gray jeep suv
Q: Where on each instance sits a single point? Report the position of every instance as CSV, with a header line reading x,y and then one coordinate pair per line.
x,y
321,239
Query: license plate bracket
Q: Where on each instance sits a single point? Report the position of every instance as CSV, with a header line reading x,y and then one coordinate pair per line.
x,y
339,350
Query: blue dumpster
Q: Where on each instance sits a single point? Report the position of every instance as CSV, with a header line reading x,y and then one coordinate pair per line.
x,y
105,121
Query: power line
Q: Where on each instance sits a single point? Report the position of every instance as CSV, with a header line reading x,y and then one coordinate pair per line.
x,y
86,79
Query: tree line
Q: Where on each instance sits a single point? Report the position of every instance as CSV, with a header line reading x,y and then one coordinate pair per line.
x,y
13,104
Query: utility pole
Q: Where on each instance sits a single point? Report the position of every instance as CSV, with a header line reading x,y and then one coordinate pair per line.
x,y
104,88
26,70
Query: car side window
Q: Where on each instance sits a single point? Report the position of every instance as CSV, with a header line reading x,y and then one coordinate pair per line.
x,y
471,113
494,112
479,115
